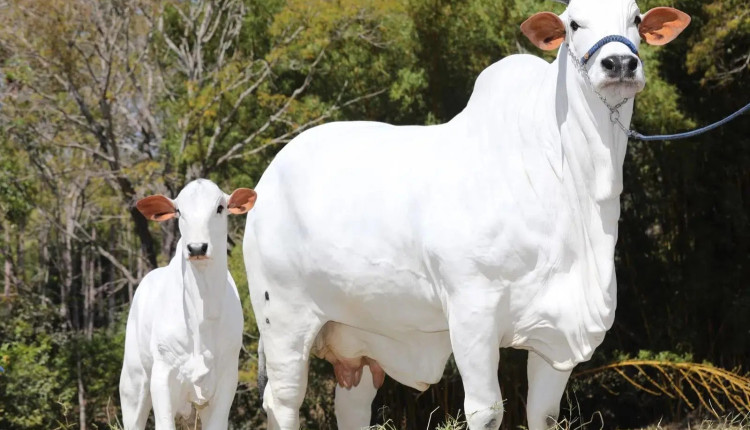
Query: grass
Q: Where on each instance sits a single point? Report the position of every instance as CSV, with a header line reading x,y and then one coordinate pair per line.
x,y
572,420
451,423
729,422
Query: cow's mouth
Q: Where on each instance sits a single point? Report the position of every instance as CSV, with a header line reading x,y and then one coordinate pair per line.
x,y
622,87
198,258
620,83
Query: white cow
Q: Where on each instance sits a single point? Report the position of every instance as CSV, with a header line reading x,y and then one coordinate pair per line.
x,y
384,248
184,330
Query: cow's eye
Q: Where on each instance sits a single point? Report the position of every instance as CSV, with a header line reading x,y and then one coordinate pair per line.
x,y
637,20
574,25
220,209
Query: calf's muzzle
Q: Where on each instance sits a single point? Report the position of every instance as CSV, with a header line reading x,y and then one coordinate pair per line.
x,y
197,249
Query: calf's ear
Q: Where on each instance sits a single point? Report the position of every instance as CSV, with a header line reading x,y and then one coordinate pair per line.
x,y
241,201
157,208
545,30
662,25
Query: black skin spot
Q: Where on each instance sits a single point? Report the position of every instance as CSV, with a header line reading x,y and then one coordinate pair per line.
x,y
266,295
268,321
491,424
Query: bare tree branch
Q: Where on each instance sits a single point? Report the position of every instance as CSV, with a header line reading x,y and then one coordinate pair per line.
x,y
276,115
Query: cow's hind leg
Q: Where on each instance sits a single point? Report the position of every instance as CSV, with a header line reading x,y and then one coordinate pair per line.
x,y
353,404
473,325
546,387
287,342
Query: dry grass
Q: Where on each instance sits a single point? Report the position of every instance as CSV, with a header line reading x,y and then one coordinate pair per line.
x,y
571,419
457,423
730,422
719,391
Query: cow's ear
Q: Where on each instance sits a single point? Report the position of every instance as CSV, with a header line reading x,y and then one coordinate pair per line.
x,y
157,208
662,25
241,201
545,30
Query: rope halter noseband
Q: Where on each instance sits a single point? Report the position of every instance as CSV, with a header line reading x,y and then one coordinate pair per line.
x,y
605,40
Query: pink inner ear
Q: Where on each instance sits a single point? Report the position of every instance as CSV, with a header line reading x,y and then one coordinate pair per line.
x,y
241,201
545,30
156,208
662,25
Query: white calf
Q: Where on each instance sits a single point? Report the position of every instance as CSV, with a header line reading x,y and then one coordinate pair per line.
x,y
184,329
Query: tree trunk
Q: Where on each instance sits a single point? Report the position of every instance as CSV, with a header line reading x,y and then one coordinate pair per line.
x,y
147,241
8,269
67,276
131,260
20,278
44,263
87,288
81,393
110,280
91,287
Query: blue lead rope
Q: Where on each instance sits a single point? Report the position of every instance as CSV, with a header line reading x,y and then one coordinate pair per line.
x,y
632,133
635,135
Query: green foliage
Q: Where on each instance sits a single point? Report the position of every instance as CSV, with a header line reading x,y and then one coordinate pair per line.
x,y
657,109
36,387
97,109
722,52
457,40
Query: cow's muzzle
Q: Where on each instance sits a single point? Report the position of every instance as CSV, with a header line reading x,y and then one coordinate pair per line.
x,y
620,67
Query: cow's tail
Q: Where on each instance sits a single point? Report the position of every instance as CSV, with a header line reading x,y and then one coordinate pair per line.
x,y
262,375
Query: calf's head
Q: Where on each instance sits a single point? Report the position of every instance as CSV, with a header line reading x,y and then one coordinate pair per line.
x,y
202,209
615,69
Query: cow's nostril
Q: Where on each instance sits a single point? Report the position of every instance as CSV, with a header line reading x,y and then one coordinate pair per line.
x,y
197,249
632,64
608,63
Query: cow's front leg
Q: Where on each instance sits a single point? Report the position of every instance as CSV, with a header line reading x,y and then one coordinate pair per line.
x,y
546,387
473,324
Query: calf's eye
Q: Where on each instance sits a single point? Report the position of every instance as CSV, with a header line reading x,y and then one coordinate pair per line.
x,y
574,25
220,209
637,20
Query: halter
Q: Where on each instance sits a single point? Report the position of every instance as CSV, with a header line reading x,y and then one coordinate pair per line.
x,y
614,110
605,40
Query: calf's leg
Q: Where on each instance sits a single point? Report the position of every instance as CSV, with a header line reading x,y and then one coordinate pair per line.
x,y
546,387
135,398
215,416
164,396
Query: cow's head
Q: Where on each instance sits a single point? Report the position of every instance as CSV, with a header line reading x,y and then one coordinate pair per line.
x,y
202,209
614,69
